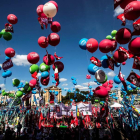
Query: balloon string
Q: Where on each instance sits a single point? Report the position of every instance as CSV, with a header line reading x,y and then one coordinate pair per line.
x,y
87,57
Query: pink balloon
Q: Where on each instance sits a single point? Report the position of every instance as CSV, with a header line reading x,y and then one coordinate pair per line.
x,y
105,46
55,26
48,60
10,52
33,57
59,65
45,81
54,39
123,36
43,42
39,11
134,46
111,81
124,3
12,18
92,45
123,63
105,84
101,92
119,56
110,86
32,83
132,10
108,89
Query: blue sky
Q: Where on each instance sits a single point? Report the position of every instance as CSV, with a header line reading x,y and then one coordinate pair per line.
x,y
79,19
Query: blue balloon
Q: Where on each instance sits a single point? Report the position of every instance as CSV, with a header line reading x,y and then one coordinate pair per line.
x,y
128,83
50,91
72,78
71,100
7,58
116,86
69,90
53,75
95,80
56,93
117,65
2,102
82,43
33,92
83,100
98,83
133,86
44,74
104,61
8,73
92,69
117,80
90,87
0,92
53,91
0,67
54,82
74,82
4,75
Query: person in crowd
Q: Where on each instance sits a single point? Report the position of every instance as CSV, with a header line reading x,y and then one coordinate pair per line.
x,y
19,126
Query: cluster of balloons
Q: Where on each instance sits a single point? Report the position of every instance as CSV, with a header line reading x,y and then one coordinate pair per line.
x,y
6,33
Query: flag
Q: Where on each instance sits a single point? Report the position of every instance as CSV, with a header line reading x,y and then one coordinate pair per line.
x,y
40,119
122,79
56,74
122,18
76,110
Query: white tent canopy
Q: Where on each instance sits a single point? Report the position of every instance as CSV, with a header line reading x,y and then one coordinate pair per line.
x,y
116,105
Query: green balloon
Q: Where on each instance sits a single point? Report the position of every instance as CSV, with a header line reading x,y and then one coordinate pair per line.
x,y
29,89
19,94
114,38
7,36
16,82
34,68
3,93
105,79
109,37
113,33
0,34
2,31
43,67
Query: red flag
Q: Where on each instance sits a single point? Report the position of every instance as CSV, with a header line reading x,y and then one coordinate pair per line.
x,y
57,58
134,79
110,63
122,18
128,53
40,119
122,79
136,26
95,61
34,75
76,121
136,63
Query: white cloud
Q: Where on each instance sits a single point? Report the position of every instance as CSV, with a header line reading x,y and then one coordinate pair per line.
x,y
20,60
111,74
81,87
63,80
91,83
2,86
118,11
65,85
1,65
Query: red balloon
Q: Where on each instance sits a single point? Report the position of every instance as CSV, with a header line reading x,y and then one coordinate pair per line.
x,y
55,26
123,63
45,81
111,82
43,42
59,65
56,5
32,83
54,39
12,18
124,3
132,10
108,89
48,60
120,56
123,36
105,46
33,57
92,45
134,46
39,11
10,52
101,92
114,45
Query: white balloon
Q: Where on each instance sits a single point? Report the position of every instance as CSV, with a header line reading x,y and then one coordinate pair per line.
x,y
50,10
100,76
